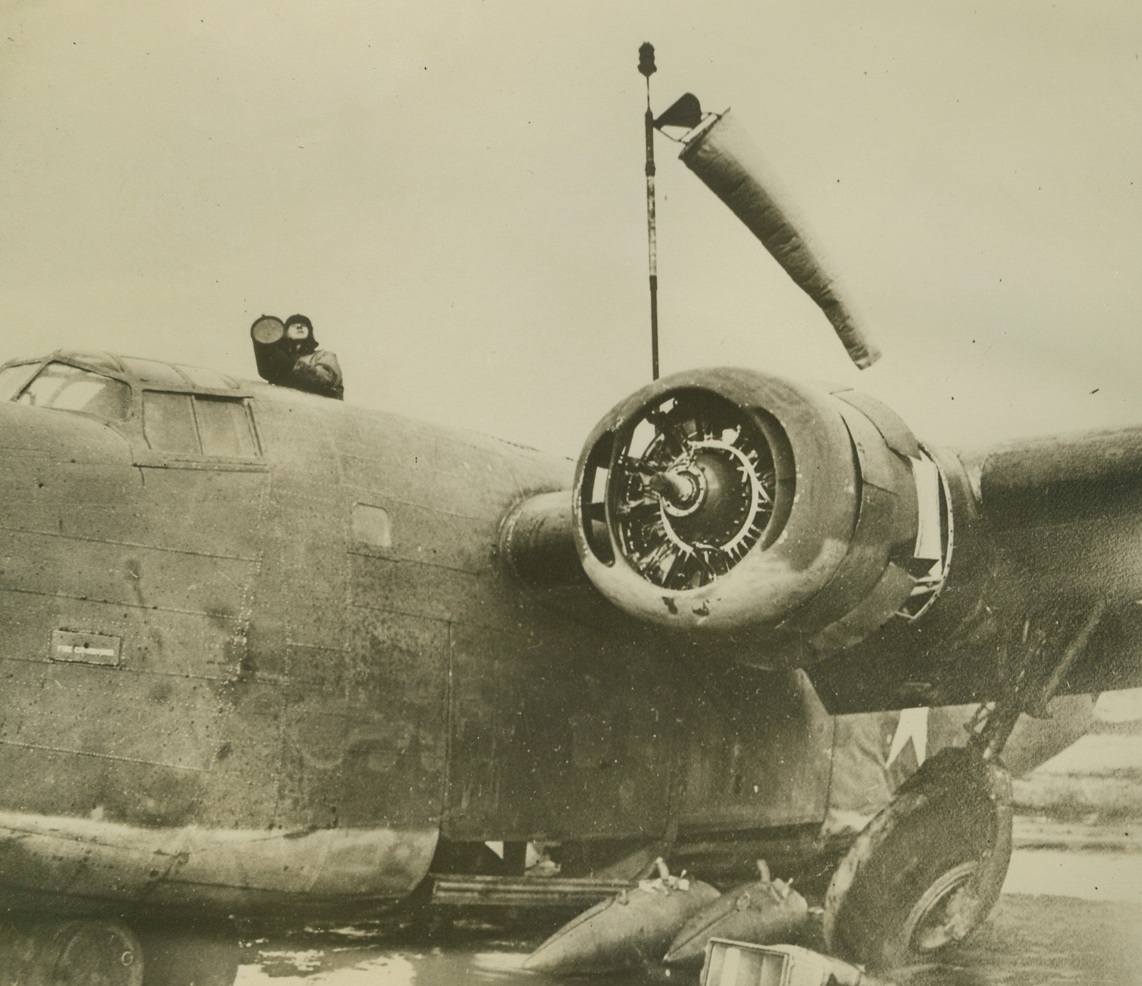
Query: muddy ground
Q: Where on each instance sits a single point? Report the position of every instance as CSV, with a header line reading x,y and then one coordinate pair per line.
x,y
1071,912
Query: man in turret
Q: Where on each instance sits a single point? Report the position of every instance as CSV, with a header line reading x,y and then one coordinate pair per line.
x,y
287,355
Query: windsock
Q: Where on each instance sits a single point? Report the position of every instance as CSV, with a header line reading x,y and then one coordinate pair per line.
x,y
723,156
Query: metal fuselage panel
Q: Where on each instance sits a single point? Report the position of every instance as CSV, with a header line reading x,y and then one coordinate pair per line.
x,y
497,711
205,656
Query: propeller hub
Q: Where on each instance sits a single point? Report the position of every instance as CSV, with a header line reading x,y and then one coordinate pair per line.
x,y
691,490
682,489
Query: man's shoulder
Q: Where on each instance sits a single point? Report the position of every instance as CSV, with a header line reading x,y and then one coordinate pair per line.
x,y
319,372
319,357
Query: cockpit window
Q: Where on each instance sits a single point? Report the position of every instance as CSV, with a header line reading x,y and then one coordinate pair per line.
x,y
13,378
68,388
224,427
198,425
168,421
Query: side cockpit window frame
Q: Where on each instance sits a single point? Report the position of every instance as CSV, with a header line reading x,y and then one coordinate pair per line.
x,y
62,386
200,427
173,416
15,377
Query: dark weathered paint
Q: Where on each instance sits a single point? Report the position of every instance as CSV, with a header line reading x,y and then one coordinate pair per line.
x,y
1048,536
1041,558
293,699
324,664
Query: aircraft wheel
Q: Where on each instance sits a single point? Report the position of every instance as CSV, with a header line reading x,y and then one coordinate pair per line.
x,y
927,869
104,952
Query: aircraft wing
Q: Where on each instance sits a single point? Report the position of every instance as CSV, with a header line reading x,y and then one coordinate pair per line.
x,y
764,522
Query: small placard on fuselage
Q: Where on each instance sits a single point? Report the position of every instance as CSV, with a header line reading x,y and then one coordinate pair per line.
x,y
86,648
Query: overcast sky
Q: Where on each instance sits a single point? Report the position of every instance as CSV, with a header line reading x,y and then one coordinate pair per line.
x,y
454,193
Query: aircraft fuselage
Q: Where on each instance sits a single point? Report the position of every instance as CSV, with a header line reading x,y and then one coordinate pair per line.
x,y
260,652
265,651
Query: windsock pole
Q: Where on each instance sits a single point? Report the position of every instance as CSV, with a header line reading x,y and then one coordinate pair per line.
x,y
647,68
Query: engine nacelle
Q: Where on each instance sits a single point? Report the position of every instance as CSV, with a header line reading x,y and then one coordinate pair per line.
x,y
730,503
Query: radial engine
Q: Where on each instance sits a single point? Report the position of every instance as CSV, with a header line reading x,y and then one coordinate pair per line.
x,y
794,521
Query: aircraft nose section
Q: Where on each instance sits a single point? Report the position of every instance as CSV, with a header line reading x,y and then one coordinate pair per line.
x,y
50,436
64,479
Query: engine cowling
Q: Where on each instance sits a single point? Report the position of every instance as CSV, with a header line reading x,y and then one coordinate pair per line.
x,y
731,503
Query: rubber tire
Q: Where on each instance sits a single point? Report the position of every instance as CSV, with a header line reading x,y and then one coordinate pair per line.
x,y
930,840
92,951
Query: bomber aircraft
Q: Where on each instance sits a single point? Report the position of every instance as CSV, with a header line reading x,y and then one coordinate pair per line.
x,y
266,652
